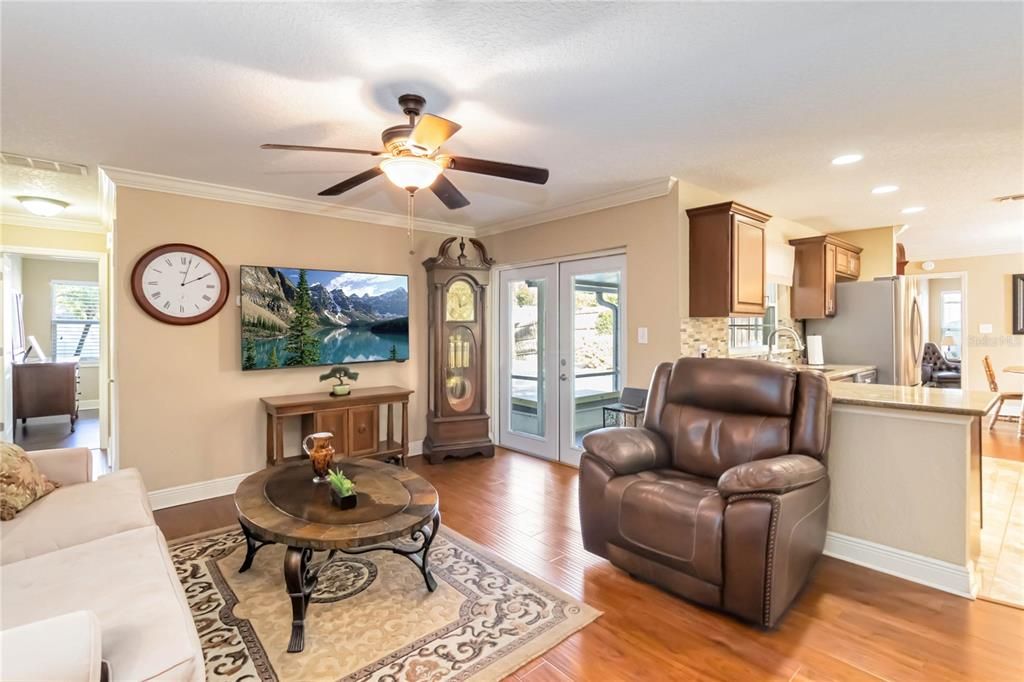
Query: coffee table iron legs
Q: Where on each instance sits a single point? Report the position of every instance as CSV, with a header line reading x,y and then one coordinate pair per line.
x,y
300,576
417,555
252,545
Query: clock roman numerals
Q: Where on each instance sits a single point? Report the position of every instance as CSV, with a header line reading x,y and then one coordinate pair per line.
x,y
179,285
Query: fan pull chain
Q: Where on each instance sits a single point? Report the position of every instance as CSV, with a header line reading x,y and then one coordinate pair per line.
x,y
412,224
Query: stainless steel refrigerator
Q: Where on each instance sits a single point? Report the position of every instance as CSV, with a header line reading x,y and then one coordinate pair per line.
x,y
877,323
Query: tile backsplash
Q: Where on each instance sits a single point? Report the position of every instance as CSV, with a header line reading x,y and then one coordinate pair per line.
x,y
714,333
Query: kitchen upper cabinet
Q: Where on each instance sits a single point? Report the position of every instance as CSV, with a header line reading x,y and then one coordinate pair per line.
x,y
820,263
727,268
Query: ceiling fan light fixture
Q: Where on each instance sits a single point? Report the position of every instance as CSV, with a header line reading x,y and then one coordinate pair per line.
x,y
410,172
42,206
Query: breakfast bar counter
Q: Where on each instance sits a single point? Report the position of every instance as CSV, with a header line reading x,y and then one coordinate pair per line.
x,y
918,398
905,464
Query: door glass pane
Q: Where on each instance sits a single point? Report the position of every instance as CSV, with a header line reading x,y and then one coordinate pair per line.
x,y
596,337
526,321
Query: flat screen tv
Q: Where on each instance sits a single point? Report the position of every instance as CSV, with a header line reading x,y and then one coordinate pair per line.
x,y
297,317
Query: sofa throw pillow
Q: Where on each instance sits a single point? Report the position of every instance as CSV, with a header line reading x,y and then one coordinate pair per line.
x,y
21,484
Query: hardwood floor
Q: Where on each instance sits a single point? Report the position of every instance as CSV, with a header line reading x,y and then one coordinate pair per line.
x,y
850,624
1002,442
39,434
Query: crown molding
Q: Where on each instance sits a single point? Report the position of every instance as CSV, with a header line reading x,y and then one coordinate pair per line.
x,y
123,177
630,195
54,223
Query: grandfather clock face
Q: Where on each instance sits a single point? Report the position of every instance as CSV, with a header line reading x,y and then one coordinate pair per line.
x,y
461,303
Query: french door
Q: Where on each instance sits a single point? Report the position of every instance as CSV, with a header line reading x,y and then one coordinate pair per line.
x,y
561,354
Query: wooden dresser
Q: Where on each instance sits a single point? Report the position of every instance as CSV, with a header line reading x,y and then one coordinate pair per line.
x,y
46,389
354,420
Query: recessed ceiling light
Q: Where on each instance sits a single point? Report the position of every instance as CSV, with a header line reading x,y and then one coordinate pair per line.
x,y
42,206
847,159
912,209
885,189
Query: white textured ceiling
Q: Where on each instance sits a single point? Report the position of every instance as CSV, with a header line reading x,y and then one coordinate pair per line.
x,y
751,100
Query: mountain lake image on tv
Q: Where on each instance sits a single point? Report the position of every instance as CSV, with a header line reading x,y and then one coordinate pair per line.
x,y
293,317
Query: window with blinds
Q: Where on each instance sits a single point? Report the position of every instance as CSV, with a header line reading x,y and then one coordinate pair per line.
x,y
75,320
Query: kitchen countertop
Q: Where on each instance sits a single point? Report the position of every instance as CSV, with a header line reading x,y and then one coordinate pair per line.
x,y
837,371
918,398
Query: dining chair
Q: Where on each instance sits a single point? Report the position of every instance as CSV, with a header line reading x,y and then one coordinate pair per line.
x,y
993,386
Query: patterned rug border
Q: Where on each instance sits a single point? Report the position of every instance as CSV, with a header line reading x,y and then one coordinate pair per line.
x,y
502,666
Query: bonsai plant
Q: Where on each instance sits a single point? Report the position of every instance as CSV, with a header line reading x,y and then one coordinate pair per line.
x,y
343,490
339,373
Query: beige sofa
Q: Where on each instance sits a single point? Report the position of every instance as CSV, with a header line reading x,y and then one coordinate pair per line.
x,y
85,574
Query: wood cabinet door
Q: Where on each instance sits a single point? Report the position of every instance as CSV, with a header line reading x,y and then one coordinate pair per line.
x,y
362,430
854,265
747,266
336,422
830,280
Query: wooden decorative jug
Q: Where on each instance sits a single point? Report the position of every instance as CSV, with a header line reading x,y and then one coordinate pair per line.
x,y
321,454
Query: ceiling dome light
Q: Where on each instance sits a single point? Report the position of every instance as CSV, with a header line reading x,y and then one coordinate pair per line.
x,y
410,172
847,159
885,189
42,206
912,209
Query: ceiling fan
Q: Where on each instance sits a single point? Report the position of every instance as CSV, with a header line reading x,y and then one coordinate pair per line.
x,y
411,158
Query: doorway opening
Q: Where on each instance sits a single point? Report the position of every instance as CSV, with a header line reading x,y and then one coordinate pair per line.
x,y
561,353
54,369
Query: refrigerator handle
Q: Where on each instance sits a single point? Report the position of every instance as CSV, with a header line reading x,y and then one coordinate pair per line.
x,y
916,331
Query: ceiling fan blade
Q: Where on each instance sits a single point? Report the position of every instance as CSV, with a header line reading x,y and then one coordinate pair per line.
x,y
431,132
307,148
354,181
449,195
537,176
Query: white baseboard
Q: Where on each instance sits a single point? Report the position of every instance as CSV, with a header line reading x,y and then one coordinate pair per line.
x,y
941,575
89,404
195,492
204,490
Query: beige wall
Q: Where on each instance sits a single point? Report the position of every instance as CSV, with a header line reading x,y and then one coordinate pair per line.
x,y
878,259
40,238
37,274
187,412
648,232
988,302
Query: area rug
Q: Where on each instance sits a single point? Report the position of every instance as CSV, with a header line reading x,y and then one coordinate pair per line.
x,y
371,617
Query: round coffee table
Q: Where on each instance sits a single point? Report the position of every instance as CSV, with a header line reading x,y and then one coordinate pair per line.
x,y
281,504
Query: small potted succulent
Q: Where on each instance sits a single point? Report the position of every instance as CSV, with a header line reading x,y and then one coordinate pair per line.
x,y
339,373
343,490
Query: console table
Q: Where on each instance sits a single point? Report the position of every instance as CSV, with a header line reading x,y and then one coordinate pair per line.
x,y
354,420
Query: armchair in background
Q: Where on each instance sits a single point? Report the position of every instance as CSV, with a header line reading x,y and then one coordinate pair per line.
x,y
722,496
936,370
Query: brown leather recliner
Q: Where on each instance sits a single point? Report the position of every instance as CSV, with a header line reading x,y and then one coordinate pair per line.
x,y
722,496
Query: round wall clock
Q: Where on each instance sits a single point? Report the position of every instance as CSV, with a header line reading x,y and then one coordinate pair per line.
x,y
180,284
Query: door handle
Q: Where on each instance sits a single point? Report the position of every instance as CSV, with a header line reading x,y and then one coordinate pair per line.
x,y
563,376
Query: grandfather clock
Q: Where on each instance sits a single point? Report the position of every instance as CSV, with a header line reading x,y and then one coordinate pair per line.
x,y
457,420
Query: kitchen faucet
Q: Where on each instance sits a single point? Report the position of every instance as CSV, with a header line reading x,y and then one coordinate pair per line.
x,y
788,330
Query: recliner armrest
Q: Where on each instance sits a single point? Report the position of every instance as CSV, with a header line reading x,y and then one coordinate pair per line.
x,y
775,475
627,450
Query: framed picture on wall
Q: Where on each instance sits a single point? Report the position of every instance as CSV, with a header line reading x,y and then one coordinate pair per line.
x,y
1018,304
